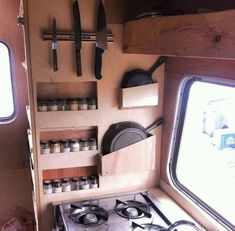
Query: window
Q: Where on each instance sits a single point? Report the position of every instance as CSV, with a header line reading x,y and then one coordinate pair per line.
x,y
7,108
202,163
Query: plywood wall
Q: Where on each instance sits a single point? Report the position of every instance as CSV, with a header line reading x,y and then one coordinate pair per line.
x,y
15,182
115,64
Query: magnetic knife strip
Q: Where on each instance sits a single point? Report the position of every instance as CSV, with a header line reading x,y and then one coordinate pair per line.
x,y
70,36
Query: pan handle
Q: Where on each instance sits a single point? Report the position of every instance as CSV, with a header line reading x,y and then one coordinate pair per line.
x,y
159,62
155,124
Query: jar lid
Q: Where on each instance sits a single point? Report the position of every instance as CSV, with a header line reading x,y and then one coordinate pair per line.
x,y
92,141
56,183
55,141
47,182
44,141
74,140
75,179
72,100
52,102
84,142
82,100
91,101
62,101
42,102
84,178
66,180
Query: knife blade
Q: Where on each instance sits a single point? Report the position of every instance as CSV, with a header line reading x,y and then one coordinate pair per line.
x,y
78,36
54,45
101,39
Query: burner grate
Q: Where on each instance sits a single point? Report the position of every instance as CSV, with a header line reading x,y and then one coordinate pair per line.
x,y
132,209
150,227
89,215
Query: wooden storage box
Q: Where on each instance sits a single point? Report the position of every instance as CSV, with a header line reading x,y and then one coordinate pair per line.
x,y
146,95
134,158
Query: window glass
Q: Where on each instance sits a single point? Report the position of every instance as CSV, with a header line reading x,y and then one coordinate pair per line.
x,y
203,163
6,90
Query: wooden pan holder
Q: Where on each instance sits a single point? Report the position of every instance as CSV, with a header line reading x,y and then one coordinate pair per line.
x,y
138,157
146,95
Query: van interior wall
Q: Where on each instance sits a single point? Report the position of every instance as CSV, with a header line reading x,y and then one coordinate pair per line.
x,y
175,70
15,182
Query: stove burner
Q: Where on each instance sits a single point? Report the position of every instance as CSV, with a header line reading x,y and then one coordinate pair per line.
x,y
132,209
89,215
90,219
150,227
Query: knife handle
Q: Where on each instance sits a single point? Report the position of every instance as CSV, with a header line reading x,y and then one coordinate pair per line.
x,y
78,62
54,56
98,62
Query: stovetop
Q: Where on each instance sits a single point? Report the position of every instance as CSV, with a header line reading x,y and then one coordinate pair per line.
x,y
136,211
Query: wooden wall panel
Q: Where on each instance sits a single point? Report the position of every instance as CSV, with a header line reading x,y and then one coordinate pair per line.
x,y
115,64
15,189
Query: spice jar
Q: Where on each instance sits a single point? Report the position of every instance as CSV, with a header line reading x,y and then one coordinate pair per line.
x,y
74,145
73,105
75,183
84,145
42,105
92,144
55,146
45,147
93,182
92,105
56,186
64,146
84,182
52,105
66,185
62,105
47,186
82,104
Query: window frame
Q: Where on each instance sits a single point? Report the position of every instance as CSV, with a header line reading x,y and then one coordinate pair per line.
x,y
10,118
179,118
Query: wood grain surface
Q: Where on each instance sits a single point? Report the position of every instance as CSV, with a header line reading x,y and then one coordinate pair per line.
x,y
198,35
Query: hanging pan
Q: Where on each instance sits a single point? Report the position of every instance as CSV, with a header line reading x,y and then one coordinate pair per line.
x,y
140,77
123,134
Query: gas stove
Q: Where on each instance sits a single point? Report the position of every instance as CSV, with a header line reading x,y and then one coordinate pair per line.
x,y
129,212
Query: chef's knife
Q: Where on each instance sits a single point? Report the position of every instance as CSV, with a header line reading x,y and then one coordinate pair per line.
x,y
54,45
101,39
78,36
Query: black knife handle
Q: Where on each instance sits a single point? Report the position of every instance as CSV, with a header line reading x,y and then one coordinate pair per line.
x,y
78,62
54,57
98,62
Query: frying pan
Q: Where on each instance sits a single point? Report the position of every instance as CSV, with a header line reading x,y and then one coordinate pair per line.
x,y
125,133
140,77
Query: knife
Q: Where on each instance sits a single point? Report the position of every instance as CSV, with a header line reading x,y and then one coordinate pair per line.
x,y
54,45
77,37
101,39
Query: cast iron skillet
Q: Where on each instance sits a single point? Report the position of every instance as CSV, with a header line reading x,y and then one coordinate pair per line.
x,y
140,77
123,134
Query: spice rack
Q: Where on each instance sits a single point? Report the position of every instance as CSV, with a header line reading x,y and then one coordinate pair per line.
x,y
72,135
66,96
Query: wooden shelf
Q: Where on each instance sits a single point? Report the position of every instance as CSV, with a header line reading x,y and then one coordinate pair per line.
x,y
69,160
146,95
200,35
64,90
59,173
60,119
134,158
